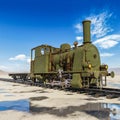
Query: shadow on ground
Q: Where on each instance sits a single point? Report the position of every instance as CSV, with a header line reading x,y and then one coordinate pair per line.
x,y
38,98
38,91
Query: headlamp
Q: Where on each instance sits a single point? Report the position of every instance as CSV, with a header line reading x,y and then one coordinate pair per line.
x,y
104,67
89,66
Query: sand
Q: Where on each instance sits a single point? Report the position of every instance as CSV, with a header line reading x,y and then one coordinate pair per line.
x,y
24,102
4,75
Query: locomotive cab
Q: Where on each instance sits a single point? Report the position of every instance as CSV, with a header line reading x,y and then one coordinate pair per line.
x,y
40,57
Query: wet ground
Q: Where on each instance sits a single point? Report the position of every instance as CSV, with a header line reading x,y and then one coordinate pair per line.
x,y
43,102
102,111
19,105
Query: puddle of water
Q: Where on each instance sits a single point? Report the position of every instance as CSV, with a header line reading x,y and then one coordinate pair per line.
x,y
9,95
19,105
102,111
2,91
114,111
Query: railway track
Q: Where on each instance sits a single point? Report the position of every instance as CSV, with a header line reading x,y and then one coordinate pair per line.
x,y
94,91
108,92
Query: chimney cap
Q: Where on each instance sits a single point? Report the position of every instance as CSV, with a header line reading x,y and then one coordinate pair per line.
x,y
86,21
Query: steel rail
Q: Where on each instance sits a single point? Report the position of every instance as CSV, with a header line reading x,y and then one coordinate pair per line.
x,y
108,92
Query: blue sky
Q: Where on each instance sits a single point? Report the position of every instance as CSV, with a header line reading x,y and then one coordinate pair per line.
x,y
25,24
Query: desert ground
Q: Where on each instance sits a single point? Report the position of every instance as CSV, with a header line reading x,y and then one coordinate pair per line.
x,y
24,102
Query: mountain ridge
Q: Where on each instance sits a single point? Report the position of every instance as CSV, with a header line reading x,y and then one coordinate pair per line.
x,y
115,70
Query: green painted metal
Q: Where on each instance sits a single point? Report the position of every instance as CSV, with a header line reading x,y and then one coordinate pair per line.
x,y
86,31
112,74
64,47
82,62
77,66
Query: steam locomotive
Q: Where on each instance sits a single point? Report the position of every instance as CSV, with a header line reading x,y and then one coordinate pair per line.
x,y
77,67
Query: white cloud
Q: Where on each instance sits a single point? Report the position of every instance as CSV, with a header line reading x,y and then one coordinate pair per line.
x,y
79,28
106,54
28,60
99,27
79,38
18,57
21,63
108,41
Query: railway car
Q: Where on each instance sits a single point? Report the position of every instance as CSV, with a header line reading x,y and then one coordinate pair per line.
x,y
77,67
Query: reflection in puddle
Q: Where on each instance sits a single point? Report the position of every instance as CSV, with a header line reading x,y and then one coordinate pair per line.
x,y
2,91
19,105
102,111
9,95
115,111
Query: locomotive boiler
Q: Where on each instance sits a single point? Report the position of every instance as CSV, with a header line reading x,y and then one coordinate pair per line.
x,y
77,67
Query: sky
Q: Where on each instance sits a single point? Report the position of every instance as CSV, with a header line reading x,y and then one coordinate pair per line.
x,y
25,24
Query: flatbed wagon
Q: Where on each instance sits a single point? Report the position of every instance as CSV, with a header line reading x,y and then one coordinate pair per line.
x,y
23,76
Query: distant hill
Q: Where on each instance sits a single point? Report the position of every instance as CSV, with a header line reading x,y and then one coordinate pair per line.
x,y
3,72
116,70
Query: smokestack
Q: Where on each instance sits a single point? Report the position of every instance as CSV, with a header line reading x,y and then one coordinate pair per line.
x,y
86,31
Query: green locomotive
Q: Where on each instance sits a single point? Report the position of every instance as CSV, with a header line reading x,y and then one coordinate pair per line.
x,y
76,67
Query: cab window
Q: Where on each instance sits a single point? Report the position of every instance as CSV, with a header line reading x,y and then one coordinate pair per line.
x,y
42,51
